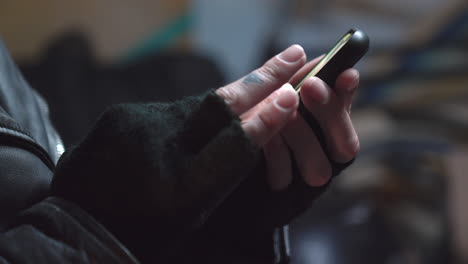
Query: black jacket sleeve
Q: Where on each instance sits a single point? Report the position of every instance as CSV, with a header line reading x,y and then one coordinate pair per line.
x,y
56,231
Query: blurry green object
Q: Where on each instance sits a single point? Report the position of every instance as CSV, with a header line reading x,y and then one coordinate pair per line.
x,y
160,39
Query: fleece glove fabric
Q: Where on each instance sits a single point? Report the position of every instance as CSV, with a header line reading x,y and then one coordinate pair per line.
x,y
166,177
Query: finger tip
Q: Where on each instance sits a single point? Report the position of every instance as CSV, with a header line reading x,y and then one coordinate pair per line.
x,y
352,72
298,46
288,98
348,80
301,51
287,86
314,90
294,54
319,179
349,152
317,174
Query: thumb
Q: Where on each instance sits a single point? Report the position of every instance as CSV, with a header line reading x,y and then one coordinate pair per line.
x,y
272,117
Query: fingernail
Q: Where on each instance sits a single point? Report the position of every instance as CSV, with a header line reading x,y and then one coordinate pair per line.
x,y
287,100
323,96
292,54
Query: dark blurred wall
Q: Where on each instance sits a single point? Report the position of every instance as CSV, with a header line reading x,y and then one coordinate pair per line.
x,y
78,88
113,26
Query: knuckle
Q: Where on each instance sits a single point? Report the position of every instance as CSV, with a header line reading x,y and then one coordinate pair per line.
x,y
230,97
267,121
271,98
271,72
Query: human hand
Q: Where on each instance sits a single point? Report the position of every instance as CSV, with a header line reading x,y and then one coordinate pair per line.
x,y
267,108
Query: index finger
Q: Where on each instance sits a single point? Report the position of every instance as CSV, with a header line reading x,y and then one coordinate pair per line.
x,y
248,91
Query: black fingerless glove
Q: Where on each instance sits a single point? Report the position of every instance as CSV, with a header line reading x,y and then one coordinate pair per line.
x,y
153,173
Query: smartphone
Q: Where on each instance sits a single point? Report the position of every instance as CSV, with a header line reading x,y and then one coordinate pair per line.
x,y
346,52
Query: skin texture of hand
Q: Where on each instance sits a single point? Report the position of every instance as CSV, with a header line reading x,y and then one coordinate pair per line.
x,y
267,106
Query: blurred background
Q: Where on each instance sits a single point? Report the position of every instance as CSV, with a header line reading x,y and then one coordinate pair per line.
x,y
403,200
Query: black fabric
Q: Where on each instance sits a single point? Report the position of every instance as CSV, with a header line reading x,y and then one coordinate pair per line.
x,y
49,231
154,172
27,143
23,105
165,168
55,231
24,180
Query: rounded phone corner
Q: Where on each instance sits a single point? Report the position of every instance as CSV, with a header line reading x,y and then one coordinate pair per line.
x,y
359,41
